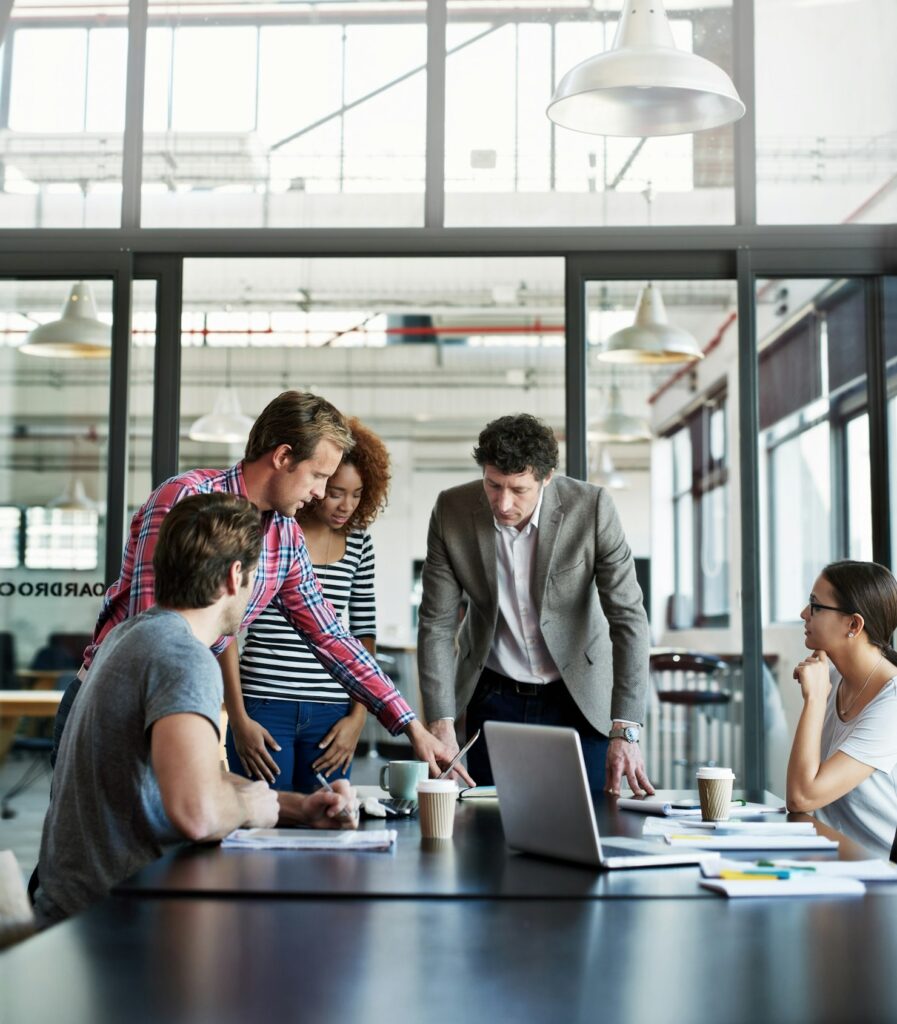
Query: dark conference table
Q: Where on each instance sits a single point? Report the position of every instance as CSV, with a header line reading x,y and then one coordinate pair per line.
x,y
462,934
475,864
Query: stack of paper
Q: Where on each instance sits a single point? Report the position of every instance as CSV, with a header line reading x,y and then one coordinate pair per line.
x,y
804,885
860,870
686,808
479,793
311,839
739,835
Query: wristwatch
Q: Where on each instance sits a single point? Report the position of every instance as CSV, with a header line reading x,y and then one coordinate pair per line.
x,y
630,733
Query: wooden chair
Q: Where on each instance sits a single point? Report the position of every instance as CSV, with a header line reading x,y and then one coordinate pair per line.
x,y
16,916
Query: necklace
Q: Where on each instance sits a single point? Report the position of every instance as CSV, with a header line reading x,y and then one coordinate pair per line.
x,y
842,711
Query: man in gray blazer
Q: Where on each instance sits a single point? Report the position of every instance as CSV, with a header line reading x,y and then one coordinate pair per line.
x,y
554,631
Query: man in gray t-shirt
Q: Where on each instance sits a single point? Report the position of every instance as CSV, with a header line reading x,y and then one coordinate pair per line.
x,y
138,769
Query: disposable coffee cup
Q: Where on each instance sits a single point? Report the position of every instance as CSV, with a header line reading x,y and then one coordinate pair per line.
x,y
715,792
436,801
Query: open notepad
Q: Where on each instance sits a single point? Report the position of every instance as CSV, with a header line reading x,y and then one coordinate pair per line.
x,y
311,839
812,885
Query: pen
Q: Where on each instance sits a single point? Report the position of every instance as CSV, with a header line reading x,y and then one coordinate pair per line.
x,y
756,873
346,812
460,754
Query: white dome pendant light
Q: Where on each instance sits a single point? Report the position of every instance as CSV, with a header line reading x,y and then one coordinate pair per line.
x,y
644,86
77,334
651,338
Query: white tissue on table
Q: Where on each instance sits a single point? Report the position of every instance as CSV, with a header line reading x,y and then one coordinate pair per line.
x,y
373,808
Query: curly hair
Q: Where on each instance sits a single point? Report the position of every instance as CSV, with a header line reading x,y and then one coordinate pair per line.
x,y
370,457
518,444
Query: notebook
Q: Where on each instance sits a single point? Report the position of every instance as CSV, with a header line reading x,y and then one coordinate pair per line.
x,y
546,806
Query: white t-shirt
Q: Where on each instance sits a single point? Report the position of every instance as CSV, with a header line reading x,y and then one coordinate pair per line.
x,y
868,813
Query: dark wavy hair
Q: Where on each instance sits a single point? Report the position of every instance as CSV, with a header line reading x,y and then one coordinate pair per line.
x,y
518,444
371,459
199,540
870,590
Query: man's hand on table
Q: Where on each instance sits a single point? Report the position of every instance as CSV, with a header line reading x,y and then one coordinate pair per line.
x,y
430,746
321,809
625,759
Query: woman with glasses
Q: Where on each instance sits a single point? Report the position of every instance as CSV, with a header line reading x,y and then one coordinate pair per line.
x,y
843,762
288,718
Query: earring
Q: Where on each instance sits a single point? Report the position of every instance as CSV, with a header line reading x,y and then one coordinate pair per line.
x,y
851,634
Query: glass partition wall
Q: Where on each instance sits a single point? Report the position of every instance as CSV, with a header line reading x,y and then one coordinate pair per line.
x,y
243,135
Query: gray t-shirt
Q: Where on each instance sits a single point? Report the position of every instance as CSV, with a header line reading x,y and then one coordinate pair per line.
x,y
106,819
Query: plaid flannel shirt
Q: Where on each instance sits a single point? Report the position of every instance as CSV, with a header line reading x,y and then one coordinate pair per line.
x,y
285,577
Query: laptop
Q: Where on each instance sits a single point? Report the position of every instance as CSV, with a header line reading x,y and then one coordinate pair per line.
x,y
546,805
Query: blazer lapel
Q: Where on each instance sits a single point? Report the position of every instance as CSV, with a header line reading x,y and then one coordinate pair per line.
x,y
484,531
551,518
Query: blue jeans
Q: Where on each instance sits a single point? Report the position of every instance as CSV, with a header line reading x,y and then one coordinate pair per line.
x,y
298,726
495,700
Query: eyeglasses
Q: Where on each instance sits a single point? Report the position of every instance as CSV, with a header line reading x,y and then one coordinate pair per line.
x,y
815,606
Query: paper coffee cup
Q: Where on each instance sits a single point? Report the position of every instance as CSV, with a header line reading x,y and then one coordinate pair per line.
x,y
715,792
436,800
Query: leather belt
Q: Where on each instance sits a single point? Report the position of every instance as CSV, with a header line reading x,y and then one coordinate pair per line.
x,y
507,685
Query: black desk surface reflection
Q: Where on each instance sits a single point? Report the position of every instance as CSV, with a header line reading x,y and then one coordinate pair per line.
x,y
192,961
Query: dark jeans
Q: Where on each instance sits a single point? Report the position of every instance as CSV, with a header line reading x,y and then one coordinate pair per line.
x,y
298,726
495,699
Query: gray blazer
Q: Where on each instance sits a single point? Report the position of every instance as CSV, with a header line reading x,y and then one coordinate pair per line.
x,y
589,603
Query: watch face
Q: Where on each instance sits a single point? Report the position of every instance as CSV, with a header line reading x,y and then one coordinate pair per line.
x,y
631,733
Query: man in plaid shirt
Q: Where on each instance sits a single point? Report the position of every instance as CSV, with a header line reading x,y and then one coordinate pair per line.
x,y
295,445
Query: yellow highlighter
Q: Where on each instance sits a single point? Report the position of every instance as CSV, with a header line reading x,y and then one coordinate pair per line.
x,y
750,876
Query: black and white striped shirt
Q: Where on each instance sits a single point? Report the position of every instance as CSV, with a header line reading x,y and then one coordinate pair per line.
x,y
278,664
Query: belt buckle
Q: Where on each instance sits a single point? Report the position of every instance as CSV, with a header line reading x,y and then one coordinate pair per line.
x,y
527,689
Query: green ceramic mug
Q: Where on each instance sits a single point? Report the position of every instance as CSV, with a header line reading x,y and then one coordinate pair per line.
x,y
400,778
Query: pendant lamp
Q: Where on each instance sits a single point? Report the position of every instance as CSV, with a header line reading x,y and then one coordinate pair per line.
x,y
607,474
617,425
644,86
651,338
77,334
225,424
73,498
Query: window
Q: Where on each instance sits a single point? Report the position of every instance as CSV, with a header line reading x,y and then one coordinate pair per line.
x,y
701,517
814,435
57,538
10,527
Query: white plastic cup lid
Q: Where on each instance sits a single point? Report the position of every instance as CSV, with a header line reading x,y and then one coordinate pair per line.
x,y
437,786
706,772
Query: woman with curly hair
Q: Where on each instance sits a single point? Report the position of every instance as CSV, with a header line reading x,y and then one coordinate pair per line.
x,y
283,695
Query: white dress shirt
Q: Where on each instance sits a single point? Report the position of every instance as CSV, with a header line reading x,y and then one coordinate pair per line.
x,y
518,649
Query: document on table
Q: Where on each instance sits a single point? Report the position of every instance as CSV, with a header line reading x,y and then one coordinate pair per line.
x,y
478,793
745,841
809,885
310,839
860,870
658,804
675,826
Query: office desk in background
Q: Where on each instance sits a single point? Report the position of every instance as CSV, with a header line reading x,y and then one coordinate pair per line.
x,y
475,864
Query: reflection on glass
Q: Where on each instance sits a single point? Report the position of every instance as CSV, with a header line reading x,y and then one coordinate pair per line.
x,y
61,538
53,476
308,116
801,518
505,163
823,158
61,142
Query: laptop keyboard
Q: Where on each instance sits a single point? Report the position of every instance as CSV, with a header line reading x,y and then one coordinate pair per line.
x,y
399,808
